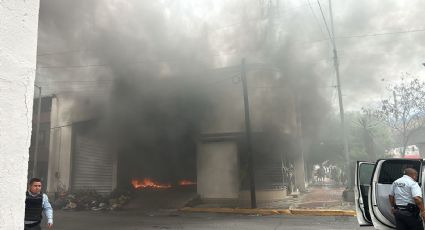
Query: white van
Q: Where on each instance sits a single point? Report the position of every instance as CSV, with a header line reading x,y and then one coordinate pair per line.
x,y
372,187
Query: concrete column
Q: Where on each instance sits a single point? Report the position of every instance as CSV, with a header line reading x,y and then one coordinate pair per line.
x,y
218,170
299,172
59,169
300,167
18,47
54,136
59,173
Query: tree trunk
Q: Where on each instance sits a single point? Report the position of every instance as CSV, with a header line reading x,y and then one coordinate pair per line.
x,y
403,152
369,145
421,149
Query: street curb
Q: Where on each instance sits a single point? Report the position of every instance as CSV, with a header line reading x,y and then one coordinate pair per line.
x,y
267,212
322,212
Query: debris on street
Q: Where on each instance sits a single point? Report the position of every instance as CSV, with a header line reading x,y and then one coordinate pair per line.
x,y
92,200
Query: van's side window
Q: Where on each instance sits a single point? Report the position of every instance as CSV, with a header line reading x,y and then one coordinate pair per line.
x,y
393,169
364,174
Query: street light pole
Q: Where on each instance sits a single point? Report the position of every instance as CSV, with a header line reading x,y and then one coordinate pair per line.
x,y
34,168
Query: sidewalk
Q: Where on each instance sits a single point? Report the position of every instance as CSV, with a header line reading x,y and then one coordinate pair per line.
x,y
324,199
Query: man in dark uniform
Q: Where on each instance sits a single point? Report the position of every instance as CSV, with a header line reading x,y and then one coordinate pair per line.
x,y
36,202
406,200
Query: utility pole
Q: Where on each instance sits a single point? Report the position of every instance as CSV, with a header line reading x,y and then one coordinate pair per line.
x,y
299,162
34,168
248,136
341,107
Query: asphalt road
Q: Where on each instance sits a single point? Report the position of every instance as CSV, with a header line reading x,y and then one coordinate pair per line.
x,y
176,220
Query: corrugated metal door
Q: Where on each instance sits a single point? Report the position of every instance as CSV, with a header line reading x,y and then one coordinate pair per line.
x,y
269,174
92,166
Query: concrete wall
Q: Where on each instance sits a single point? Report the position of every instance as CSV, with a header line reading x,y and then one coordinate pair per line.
x,y
270,103
218,170
18,46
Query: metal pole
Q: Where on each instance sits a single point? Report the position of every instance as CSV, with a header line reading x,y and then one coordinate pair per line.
x,y
248,136
34,168
300,160
282,167
341,107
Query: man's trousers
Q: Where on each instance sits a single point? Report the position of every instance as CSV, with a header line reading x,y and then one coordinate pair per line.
x,y
406,220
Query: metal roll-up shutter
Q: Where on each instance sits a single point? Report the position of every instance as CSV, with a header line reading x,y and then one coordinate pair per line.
x,y
92,166
268,174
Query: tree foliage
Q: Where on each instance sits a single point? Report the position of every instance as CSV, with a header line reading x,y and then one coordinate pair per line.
x,y
370,135
367,126
404,111
368,138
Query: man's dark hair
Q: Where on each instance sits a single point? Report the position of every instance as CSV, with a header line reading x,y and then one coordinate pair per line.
x,y
34,180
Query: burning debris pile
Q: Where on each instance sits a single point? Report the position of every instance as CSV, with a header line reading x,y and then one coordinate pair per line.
x,y
148,183
92,201
186,183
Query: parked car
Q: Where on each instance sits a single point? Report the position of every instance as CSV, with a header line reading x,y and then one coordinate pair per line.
x,y
372,187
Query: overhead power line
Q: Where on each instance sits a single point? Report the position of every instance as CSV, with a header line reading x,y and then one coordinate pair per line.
x,y
372,35
315,17
146,61
381,34
324,20
76,81
235,53
73,66
62,52
91,88
228,53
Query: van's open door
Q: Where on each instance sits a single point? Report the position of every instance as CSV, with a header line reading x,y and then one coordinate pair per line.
x,y
363,178
385,173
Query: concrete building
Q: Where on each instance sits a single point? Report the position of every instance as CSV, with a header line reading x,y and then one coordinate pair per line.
x,y
79,158
221,158
18,46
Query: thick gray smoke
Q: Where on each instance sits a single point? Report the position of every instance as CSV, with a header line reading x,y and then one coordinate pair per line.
x,y
151,63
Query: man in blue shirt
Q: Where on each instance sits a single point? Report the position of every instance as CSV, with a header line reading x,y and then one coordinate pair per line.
x,y
37,202
406,200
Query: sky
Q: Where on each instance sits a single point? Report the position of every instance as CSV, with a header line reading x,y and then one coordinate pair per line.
x,y
378,42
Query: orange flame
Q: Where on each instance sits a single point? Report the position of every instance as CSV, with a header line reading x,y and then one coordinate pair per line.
x,y
186,182
148,183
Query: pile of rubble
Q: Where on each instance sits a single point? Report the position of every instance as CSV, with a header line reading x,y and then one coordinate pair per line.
x,y
91,200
